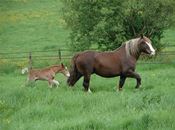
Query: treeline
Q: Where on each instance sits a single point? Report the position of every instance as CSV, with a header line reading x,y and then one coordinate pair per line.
x,y
107,23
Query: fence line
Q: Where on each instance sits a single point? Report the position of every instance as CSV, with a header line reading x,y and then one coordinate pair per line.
x,y
69,58
26,52
58,55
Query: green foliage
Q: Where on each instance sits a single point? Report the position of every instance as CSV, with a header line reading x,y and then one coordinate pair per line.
x,y
109,23
150,17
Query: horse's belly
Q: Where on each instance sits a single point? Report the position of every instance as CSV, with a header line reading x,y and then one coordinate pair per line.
x,y
107,65
108,75
107,72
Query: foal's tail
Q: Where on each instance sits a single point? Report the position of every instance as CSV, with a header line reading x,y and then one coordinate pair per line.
x,y
74,74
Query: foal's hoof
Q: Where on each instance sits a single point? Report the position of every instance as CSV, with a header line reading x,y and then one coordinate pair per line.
x,y
50,86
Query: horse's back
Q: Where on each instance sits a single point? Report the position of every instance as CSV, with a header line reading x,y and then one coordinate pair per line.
x,y
85,61
87,55
42,74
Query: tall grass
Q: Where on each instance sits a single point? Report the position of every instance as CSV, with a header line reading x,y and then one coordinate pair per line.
x,y
150,107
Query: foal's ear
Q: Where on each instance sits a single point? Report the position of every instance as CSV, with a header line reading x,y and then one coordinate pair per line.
x,y
141,35
62,65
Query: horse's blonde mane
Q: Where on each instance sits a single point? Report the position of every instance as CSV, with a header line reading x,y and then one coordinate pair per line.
x,y
131,47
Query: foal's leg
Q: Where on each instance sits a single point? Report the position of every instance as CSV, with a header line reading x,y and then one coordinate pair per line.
x,y
55,82
121,82
86,82
50,81
30,81
135,75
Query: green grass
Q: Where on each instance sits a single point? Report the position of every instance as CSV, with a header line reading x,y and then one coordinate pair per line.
x,y
28,25
31,25
39,107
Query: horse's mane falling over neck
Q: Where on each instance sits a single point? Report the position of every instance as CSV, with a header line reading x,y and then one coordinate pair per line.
x,y
132,48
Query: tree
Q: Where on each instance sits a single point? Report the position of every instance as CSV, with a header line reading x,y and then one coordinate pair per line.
x,y
108,23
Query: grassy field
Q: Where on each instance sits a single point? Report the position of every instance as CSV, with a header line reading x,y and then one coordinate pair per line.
x,y
41,108
30,25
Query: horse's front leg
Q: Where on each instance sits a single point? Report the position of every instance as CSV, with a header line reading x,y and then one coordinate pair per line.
x,y
135,75
121,82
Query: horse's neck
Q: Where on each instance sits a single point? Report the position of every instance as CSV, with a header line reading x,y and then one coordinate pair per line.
x,y
131,49
55,69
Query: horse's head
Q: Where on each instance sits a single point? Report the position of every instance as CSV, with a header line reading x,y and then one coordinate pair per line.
x,y
146,46
64,70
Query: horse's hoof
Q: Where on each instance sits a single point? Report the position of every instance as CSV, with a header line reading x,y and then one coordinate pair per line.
x,y
89,91
138,87
120,89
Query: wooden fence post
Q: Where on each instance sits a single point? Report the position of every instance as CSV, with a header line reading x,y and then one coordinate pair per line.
x,y
59,54
30,60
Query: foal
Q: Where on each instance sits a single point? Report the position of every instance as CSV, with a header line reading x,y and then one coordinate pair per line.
x,y
48,74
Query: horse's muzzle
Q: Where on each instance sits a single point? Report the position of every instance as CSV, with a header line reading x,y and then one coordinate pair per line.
x,y
152,53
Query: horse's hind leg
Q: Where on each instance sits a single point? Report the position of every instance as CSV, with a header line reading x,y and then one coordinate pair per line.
x,y
86,82
30,82
121,82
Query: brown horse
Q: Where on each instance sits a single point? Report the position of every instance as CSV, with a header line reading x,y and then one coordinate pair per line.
x,y
48,74
120,62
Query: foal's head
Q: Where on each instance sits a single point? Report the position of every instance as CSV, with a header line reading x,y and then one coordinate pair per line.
x,y
64,70
145,45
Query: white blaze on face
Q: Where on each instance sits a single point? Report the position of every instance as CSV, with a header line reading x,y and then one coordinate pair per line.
x,y
67,74
151,48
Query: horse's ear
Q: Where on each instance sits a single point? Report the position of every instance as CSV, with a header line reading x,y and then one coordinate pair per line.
x,y
141,35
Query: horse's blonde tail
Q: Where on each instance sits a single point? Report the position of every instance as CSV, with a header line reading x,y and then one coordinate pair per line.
x,y
74,74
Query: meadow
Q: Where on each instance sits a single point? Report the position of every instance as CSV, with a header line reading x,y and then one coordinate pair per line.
x,y
38,107
29,25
